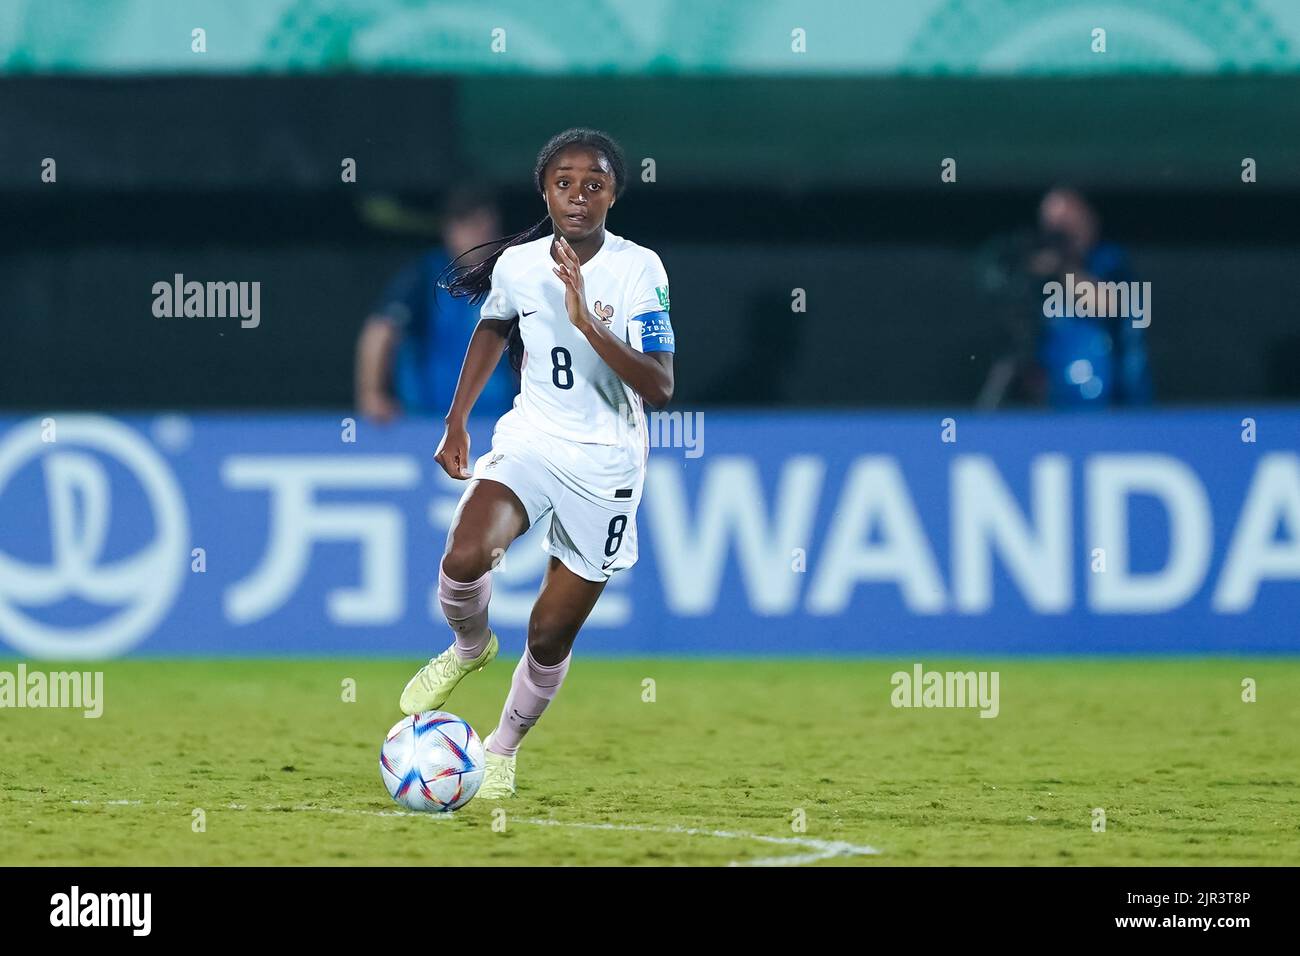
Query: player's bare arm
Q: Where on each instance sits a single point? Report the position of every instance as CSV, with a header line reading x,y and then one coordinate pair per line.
x,y
650,374
481,358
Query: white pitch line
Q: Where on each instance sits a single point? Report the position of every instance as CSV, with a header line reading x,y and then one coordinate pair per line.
x,y
821,849
824,849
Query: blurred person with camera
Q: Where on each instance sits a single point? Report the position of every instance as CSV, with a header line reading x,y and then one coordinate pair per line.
x,y
1090,357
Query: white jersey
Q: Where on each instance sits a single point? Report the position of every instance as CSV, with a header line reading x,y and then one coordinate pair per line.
x,y
567,390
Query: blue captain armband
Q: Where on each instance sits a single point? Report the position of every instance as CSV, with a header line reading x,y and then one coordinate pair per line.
x,y
656,332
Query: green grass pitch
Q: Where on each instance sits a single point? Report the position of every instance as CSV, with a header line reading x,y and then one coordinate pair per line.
x,y
717,769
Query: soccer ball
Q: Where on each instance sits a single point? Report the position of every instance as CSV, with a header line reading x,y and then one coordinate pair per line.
x,y
432,762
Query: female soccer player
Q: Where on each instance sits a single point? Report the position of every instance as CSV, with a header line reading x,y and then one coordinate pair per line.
x,y
584,315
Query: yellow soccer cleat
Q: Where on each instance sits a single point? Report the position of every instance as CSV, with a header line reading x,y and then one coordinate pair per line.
x,y
498,775
434,682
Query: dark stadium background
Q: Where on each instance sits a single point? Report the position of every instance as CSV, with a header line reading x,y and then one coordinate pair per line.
x,y
764,184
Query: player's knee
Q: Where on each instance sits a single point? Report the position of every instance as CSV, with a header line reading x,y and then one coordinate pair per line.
x,y
549,638
466,561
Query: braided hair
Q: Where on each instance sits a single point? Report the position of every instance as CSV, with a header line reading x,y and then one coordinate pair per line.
x,y
474,282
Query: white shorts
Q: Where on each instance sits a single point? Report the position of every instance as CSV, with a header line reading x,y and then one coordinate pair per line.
x,y
590,492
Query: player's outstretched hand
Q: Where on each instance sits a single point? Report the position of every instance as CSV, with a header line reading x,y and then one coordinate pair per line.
x,y
453,452
575,291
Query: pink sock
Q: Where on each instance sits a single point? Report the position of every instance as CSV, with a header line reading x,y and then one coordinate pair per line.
x,y
466,608
531,689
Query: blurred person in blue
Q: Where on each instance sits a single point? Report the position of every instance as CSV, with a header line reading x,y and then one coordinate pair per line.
x,y
1086,362
411,346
